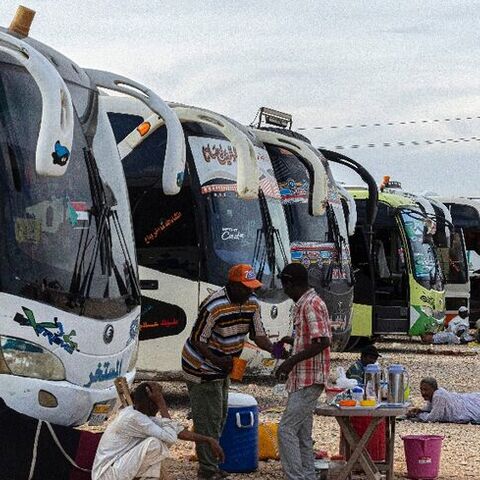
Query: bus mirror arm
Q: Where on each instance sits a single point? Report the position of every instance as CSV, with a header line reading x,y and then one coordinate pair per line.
x,y
352,209
309,155
55,136
372,204
247,169
175,153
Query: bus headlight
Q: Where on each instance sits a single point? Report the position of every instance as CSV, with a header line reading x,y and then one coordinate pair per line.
x,y
27,359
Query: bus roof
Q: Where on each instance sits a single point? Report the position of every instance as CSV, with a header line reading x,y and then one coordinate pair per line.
x,y
465,211
390,199
474,203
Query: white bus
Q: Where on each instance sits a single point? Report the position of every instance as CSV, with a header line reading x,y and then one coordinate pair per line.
x,y
187,242
316,216
464,289
69,290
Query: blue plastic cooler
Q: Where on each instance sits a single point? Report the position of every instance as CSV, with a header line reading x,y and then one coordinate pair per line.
x,y
239,439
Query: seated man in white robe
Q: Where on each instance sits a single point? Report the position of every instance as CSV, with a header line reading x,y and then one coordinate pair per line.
x,y
445,406
136,443
459,322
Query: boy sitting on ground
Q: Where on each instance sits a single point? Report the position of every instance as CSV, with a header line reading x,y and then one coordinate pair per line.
x,y
368,356
136,443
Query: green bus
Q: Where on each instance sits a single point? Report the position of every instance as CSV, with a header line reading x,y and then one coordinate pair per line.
x,y
399,285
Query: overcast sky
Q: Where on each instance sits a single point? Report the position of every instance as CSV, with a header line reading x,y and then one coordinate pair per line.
x,y
328,63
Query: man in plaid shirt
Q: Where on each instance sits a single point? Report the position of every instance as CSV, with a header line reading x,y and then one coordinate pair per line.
x,y
306,371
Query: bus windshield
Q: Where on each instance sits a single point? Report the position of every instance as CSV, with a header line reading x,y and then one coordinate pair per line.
x,y
453,259
426,268
240,231
294,184
234,242
318,242
66,240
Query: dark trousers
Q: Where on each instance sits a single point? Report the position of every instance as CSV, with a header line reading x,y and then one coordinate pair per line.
x,y
209,404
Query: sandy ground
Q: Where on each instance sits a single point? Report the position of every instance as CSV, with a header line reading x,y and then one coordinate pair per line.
x,y
456,368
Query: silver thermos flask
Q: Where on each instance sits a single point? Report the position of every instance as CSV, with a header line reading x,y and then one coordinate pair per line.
x,y
396,384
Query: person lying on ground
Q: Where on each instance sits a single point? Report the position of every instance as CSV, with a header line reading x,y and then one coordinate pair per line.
x,y
440,338
368,356
136,443
445,406
447,338
460,326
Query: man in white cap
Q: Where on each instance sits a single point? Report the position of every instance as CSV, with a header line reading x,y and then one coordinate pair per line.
x,y
460,323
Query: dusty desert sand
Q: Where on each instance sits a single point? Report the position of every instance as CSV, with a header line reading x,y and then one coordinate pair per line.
x,y
456,368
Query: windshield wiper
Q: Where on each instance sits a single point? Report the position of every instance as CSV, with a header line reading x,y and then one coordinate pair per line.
x,y
270,234
339,241
103,201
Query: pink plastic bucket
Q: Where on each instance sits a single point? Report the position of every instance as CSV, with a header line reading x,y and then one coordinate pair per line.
x,y
422,453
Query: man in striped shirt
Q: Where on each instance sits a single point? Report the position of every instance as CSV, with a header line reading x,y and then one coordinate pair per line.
x,y
306,371
218,335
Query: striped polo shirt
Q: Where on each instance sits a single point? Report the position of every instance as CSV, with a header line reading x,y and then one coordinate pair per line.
x,y
222,325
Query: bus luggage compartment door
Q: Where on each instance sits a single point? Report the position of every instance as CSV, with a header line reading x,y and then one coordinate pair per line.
x,y
391,319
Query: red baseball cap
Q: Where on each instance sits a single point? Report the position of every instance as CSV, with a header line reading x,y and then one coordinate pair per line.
x,y
244,274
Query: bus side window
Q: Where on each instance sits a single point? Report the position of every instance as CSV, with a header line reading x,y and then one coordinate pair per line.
x,y
165,232
164,225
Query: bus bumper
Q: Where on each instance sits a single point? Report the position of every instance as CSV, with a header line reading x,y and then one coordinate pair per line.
x,y
75,404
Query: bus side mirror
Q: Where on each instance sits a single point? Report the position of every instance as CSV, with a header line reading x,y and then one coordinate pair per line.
x,y
319,180
442,240
55,137
175,153
247,167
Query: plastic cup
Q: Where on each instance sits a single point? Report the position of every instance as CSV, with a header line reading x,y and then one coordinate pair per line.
x,y
238,369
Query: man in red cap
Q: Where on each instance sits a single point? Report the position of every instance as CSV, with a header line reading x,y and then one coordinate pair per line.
x,y
218,335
